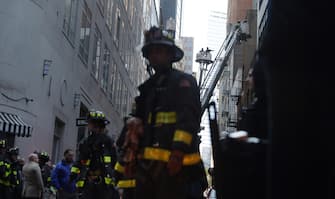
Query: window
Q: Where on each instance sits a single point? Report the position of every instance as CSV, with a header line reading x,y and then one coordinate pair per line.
x,y
85,28
116,81
105,68
101,5
123,100
113,83
129,103
131,12
69,22
117,27
125,3
125,105
119,94
56,143
96,53
109,17
9,137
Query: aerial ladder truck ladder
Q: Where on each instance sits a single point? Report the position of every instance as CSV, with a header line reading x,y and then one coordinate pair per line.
x,y
215,71
207,87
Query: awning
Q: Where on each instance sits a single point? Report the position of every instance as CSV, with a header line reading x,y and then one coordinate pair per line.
x,y
10,123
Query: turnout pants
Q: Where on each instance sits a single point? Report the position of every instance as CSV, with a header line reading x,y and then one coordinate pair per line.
x,y
154,182
101,191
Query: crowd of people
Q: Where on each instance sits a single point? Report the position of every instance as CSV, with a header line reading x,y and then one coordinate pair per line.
x,y
36,177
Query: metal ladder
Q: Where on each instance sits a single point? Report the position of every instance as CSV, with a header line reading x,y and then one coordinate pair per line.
x,y
215,71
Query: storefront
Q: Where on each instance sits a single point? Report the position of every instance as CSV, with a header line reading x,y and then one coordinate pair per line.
x,y
12,125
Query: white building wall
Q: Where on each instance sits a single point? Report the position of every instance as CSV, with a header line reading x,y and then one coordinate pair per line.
x,y
32,31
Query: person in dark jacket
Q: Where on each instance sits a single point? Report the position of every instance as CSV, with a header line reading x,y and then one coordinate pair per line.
x,y
168,107
93,171
13,179
10,176
46,168
3,169
60,177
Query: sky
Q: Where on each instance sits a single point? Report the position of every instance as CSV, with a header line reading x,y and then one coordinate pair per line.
x,y
194,24
194,21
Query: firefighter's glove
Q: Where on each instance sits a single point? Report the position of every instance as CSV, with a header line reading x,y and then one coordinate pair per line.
x,y
175,162
134,132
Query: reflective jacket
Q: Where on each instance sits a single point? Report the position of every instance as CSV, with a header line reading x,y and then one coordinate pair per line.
x,y
46,174
169,106
9,173
97,157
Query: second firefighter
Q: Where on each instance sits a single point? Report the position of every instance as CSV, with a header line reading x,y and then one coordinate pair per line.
x,y
94,170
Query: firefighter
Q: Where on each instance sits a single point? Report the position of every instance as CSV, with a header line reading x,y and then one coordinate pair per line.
x,y
125,183
46,169
3,169
10,174
94,169
165,125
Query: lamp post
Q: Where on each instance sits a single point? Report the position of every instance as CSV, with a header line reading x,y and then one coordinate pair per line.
x,y
204,58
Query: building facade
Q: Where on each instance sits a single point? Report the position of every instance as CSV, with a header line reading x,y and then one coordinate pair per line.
x,y
151,13
235,85
216,33
171,10
237,10
216,30
262,19
60,59
188,47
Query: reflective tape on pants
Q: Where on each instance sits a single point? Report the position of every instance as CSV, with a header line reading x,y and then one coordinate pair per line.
x,y
126,183
164,155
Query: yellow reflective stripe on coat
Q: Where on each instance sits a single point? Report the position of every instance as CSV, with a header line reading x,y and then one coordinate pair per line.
x,y
164,118
49,179
164,155
156,154
7,173
3,182
107,159
118,167
108,181
126,183
190,159
85,162
75,170
182,136
80,183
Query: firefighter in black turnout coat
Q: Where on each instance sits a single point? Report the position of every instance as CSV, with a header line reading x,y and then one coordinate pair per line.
x,y
168,108
94,170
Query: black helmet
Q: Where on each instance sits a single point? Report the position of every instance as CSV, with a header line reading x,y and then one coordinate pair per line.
x,y
13,151
44,156
97,116
3,144
155,36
